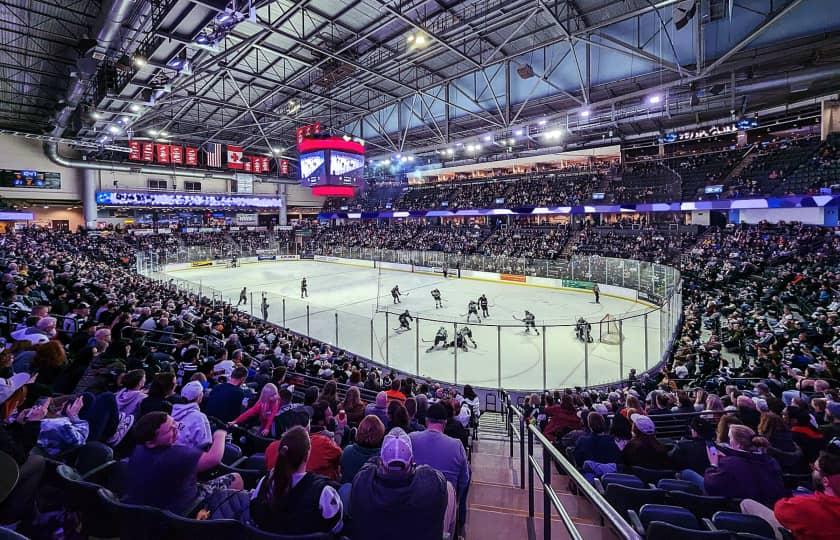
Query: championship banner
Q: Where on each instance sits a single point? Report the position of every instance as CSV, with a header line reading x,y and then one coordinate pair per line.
x,y
148,151
284,167
512,277
191,156
135,150
162,153
176,154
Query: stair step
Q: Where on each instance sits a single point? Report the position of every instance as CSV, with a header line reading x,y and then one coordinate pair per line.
x,y
488,522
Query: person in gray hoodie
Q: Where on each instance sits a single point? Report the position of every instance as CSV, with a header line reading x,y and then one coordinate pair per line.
x,y
194,426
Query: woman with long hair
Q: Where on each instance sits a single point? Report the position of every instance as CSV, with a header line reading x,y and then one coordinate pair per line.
x,y
292,501
49,362
266,408
161,389
329,394
353,405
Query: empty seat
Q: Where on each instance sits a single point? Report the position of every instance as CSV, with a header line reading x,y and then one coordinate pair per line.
x,y
702,506
209,529
742,523
652,476
625,498
674,515
623,479
659,530
672,484
136,522
81,497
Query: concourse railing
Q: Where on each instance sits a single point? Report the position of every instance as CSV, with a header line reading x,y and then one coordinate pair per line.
x,y
540,467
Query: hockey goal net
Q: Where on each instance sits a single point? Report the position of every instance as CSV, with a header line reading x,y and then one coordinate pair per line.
x,y
609,330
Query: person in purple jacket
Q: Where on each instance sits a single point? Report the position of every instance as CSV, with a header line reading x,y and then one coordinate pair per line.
x,y
742,470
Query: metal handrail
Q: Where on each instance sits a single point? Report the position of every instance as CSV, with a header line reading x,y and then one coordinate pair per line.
x,y
551,455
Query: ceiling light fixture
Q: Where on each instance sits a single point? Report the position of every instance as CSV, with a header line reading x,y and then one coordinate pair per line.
x,y
654,99
584,113
134,107
114,129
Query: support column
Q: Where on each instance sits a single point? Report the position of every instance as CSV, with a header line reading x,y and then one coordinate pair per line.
x,y
89,180
284,208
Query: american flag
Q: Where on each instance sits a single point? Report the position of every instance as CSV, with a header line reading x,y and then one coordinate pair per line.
x,y
214,154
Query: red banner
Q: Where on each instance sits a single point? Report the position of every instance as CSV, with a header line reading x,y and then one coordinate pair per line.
x,y
256,168
135,150
266,164
148,151
284,167
162,153
191,156
176,154
234,158
248,164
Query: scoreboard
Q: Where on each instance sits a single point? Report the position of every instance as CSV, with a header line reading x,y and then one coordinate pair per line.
x,y
332,166
29,179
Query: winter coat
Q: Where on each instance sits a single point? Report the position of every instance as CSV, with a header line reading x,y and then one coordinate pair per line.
x,y
746,475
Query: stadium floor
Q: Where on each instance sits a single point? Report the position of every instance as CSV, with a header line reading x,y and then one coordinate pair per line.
x,y
343,301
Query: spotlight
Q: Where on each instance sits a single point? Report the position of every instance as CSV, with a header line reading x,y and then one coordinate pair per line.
x,y
542,122
488,138
134,107
180,62
96,116
124,120
386,162
139,60
450,151
654,99
164,134
584,113
114,129
277,150
518,132
511,141
152,132
410,158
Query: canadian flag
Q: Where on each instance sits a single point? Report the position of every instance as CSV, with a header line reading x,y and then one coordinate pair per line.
x,y
234,158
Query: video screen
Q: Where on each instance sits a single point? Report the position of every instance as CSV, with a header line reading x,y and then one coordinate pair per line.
x,y
313,167
346,168
30,179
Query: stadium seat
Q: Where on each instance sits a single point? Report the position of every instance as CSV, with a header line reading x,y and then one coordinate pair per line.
x,y
742,523
250,477
136,522
672,484
82,497
673,515
624,498
652,476
232,454
255,462
93,459
702,506
659,530
622,479
208,529
253,533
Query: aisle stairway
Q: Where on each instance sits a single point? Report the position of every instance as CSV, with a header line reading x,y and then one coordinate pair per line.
x,y
499,509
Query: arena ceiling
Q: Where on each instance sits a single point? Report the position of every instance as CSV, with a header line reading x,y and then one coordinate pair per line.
x,y
407,75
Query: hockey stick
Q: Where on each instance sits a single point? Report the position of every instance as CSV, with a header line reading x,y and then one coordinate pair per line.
x,y
518,319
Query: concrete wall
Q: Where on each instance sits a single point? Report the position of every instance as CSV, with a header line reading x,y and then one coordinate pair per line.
x,y
45,216
19,153
812,216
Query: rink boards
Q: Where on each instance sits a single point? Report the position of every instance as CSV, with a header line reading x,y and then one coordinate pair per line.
x,y
349,305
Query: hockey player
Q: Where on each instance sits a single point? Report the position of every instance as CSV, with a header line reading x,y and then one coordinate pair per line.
x,y
438,300
583,330
405,318
472,309
233,262
529,321
462,337
482,303
440,339
243,296
303,288
264,308
395,294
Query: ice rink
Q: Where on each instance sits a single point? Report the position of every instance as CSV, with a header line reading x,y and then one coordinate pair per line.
x,y
342,306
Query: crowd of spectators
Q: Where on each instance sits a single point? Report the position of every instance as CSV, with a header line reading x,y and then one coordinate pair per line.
x,y
655,244
94,353
531,242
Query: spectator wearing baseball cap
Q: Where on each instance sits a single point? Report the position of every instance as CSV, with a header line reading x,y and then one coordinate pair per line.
x,y
644,450
394,493
194,429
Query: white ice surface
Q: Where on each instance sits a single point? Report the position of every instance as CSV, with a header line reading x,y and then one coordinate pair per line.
x,y
345,297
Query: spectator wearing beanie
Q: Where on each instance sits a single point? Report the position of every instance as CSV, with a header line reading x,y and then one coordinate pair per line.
x,y
815,516
379,408
368,443
291,500
163,474
194,428
225,400
644,450
391,494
